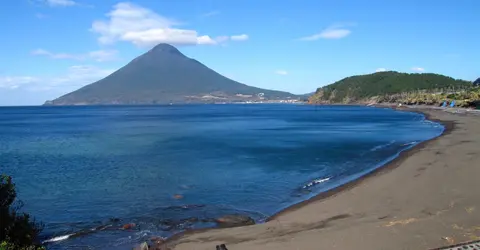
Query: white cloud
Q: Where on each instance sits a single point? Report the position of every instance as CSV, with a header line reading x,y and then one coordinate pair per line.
x,y
380,70
281,72
418,69
98,55
144,28
333,32
242,37
206,40
75,77
222,39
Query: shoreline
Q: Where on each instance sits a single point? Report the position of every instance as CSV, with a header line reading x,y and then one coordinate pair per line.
x,y
448,125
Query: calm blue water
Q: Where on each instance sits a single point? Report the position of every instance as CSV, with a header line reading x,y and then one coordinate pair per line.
x,y
76,168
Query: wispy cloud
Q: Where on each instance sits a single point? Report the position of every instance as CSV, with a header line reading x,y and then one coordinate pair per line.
x,y
336,31
143,27
14,82
242,37
380,70
281,72
211,13
76,76
418,69
97,55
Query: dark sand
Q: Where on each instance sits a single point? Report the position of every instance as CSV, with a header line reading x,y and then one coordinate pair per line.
x,y
428,197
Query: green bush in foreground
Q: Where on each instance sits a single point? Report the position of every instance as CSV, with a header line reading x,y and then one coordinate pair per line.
x,y
18,231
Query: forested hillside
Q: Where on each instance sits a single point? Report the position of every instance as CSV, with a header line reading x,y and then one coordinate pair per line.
x,y
383,85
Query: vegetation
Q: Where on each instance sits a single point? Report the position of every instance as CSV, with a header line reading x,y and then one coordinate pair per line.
x,y
18,231
397,87
463,98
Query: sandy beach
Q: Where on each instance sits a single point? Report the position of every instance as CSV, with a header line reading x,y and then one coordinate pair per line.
x,y
427,198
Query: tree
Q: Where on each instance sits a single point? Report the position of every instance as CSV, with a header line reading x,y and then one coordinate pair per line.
x,y
17,229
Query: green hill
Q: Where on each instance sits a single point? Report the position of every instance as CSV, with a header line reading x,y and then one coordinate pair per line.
x,y
384,86
165,75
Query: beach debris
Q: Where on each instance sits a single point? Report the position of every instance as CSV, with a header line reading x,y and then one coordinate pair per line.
x,y
128,226
450,240
470,209
178,196
158,243
143,246
221,247
383,217
157,238
471,233
457,227
234,220
401,222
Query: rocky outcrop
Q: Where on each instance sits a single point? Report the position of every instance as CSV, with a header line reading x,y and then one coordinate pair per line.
x,y
128,226
477,82
157,243
178,196
234,220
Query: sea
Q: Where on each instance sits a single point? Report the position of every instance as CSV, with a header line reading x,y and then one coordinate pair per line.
x,y
87,171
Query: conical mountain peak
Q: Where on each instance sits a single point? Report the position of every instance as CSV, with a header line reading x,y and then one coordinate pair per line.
x,y
165,75
165,48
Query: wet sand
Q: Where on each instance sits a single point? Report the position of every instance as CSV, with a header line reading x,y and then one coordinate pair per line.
x,y
428,197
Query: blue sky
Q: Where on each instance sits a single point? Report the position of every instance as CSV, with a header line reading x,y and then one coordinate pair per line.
x,y
51,47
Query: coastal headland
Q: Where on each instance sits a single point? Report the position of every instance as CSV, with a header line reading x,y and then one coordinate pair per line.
x,y
426,198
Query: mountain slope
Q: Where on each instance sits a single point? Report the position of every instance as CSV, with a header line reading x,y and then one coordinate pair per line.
x,y
164,75
477,82
362,87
